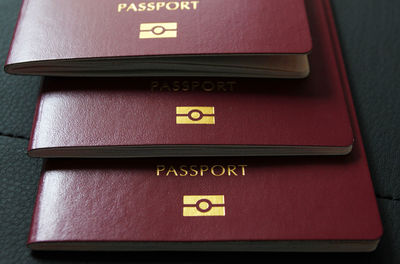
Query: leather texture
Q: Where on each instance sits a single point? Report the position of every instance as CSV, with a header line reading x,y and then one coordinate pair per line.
x,y
368,34
106,112
330,198
373,67
95,29
19,178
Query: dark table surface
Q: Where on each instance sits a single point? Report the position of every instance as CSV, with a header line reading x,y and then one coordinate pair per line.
x,y
369,32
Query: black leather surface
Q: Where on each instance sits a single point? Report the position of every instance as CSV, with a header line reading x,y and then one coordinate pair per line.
x,y
17,94
19,178
369,31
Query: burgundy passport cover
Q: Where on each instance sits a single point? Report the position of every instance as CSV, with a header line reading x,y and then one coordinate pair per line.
x,y
313,204
109,112
63,30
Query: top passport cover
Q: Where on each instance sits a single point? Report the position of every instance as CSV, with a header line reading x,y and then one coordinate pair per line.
x,y
97,112
64,30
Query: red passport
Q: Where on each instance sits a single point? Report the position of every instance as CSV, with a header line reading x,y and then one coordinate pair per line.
x,y
237,204
128,117
228,38
209,204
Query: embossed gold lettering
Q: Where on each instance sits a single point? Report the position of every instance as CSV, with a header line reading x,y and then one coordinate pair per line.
x,y
160,168
132,7
243,167
185,5
213,170
201,170
172,6
142,7
183,170
157,6
188,86
208,86
193,168
151,6
231,170
172,170
121,6
195,3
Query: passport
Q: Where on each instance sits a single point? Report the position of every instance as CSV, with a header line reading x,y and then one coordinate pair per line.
x,y
182,116
152,117
207,204
161,38
313,204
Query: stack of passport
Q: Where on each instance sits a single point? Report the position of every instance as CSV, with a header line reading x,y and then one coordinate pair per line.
x,y
209,125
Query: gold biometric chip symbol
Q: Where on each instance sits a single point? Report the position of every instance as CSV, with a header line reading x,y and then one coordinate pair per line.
x,y
158,30
195,115
203,205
